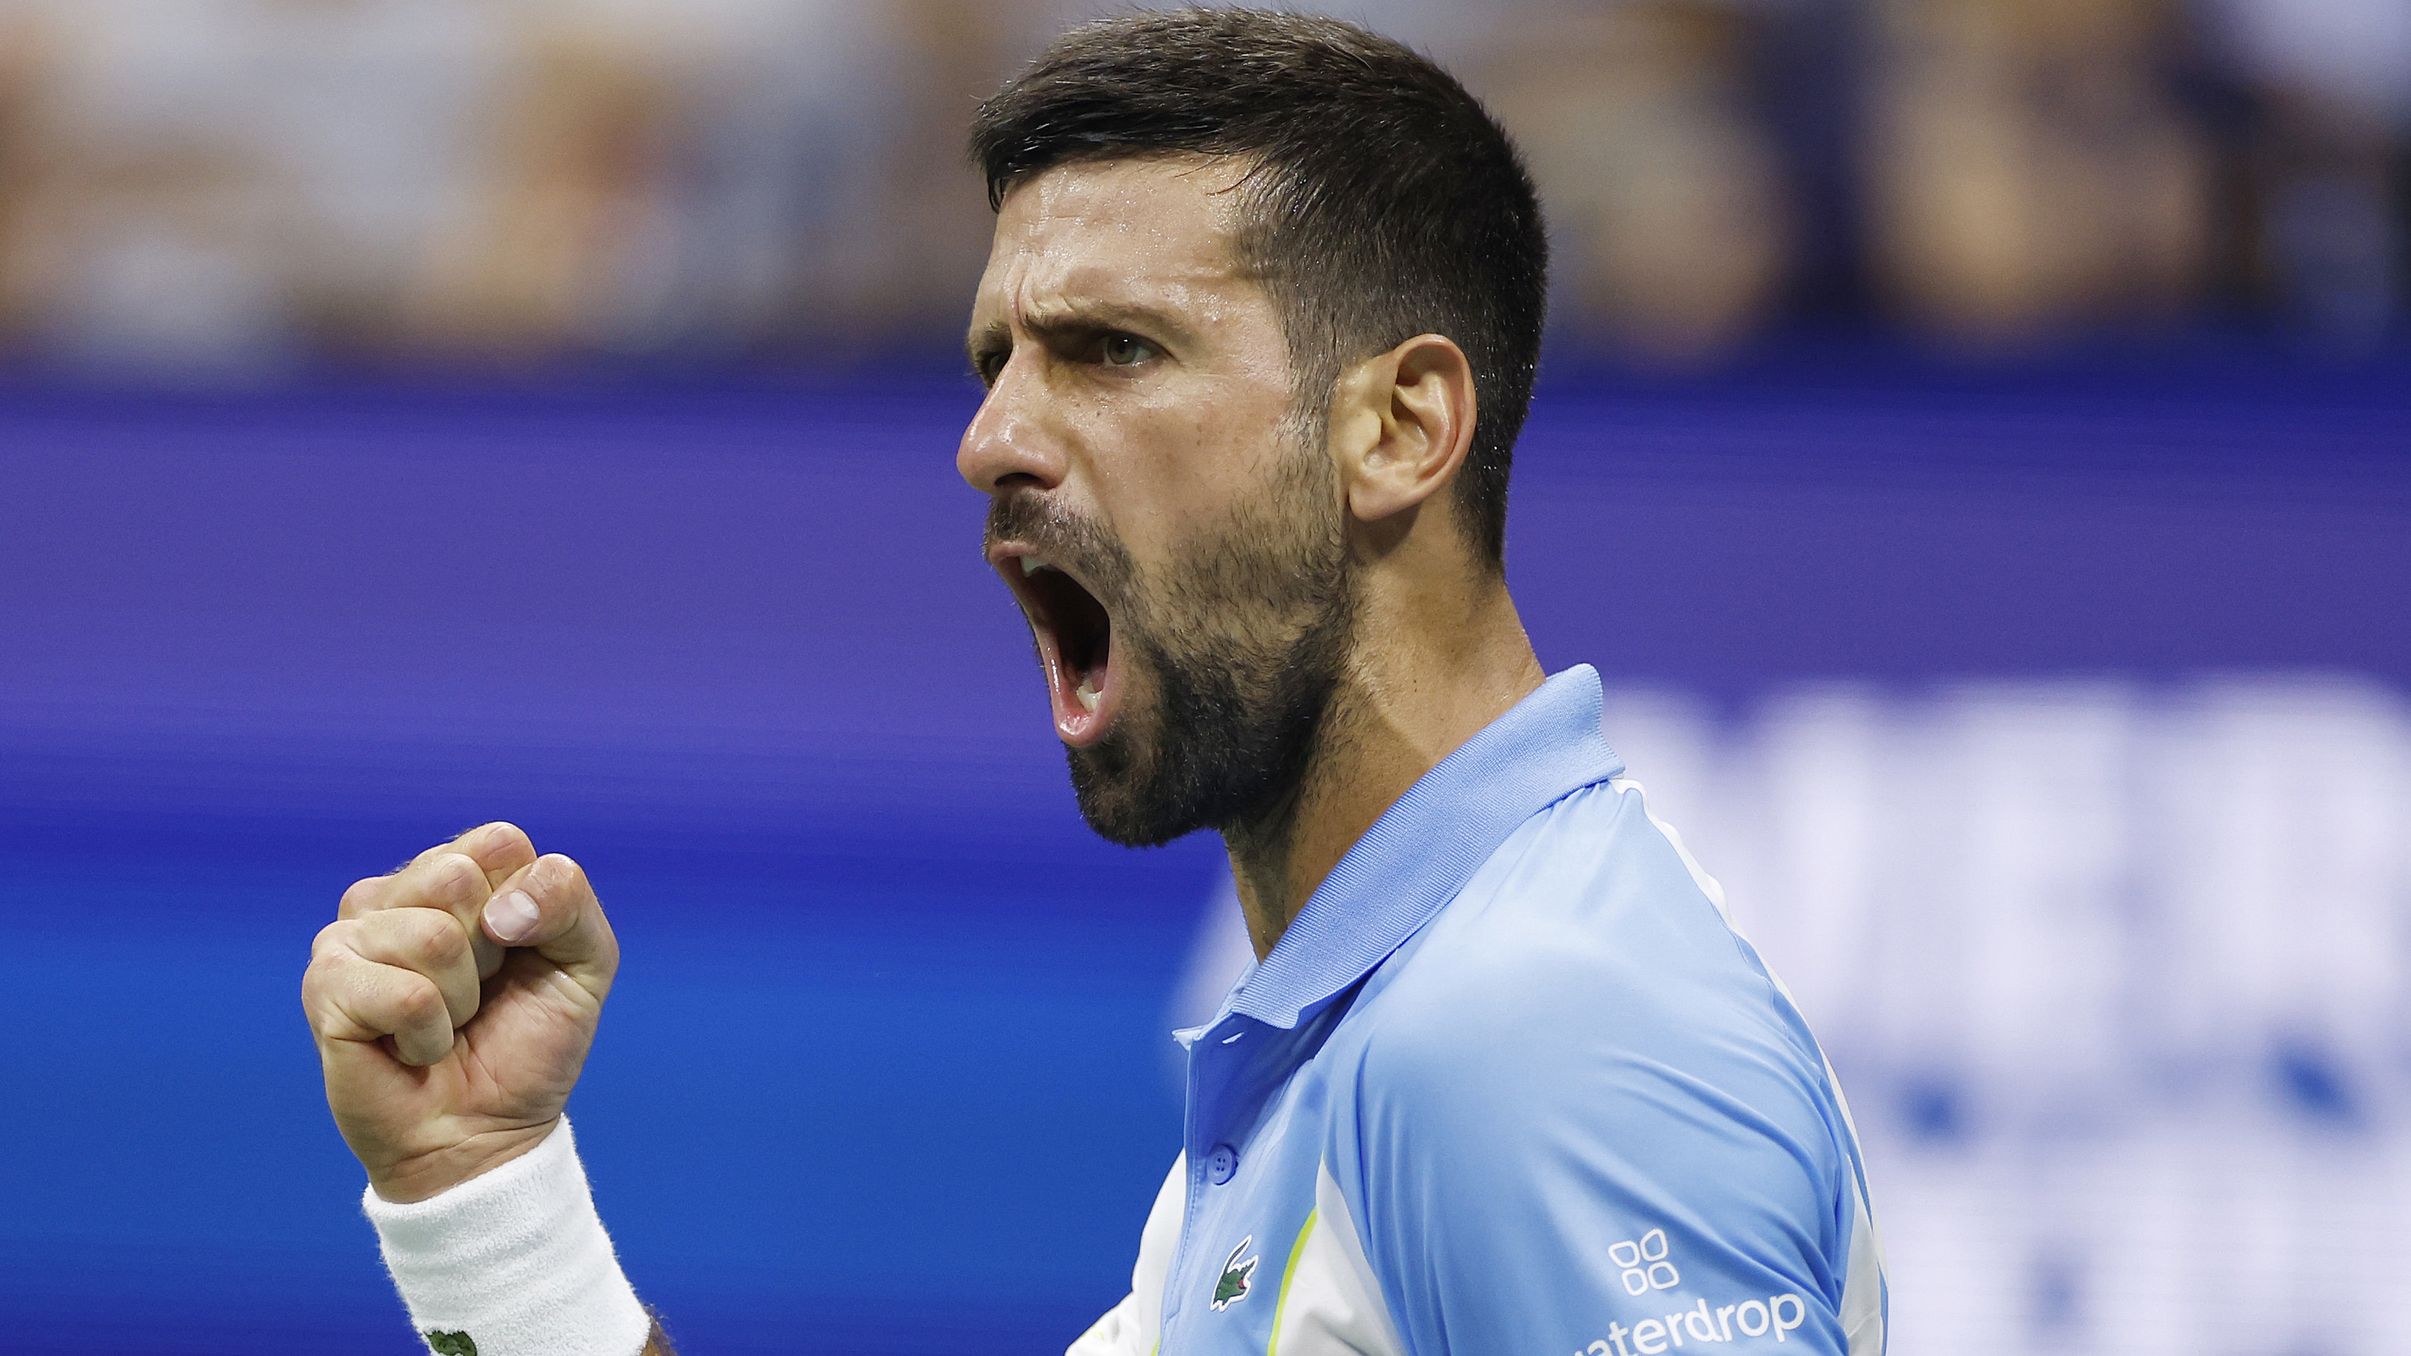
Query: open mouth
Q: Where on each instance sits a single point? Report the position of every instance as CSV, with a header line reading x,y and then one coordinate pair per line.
x,y
1075,642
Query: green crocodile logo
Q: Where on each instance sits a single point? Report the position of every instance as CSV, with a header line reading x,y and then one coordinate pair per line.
x,y
1232,1288
451,1343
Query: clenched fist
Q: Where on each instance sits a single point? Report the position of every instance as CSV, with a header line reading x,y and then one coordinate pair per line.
x,y
454,1002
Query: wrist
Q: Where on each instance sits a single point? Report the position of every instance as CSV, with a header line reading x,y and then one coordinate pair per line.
x,y
513,1260
425,1176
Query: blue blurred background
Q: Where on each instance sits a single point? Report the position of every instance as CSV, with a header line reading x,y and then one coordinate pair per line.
x,y
1973,446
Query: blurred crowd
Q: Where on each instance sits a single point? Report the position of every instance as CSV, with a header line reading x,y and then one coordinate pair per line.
x,y
224,188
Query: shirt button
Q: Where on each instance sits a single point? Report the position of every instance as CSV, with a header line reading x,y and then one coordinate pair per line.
x,y
1222,1164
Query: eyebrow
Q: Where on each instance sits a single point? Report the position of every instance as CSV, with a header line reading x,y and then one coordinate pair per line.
x,y
1075,320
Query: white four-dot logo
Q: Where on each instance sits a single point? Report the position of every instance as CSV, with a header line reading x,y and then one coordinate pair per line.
x,y
1644,1262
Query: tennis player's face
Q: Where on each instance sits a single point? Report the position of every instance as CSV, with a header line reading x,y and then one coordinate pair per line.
x,y
1170,525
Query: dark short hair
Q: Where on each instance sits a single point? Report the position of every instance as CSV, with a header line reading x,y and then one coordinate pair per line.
x,y
1384,201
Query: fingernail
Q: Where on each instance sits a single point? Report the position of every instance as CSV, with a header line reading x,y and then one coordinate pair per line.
x,y
511,915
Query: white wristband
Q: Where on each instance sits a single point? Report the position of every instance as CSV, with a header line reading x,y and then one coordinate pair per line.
x,y
512,1263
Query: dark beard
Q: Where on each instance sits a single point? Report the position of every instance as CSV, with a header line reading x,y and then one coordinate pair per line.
x,y
1245,643
1232,734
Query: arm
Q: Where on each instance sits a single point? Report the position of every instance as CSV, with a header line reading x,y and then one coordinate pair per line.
x,y
450,1038
453,1003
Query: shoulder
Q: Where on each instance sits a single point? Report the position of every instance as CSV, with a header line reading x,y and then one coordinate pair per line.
x,y
1584,996
1587,936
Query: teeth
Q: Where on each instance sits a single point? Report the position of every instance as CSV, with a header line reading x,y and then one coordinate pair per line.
x,y
1087,693
1031,565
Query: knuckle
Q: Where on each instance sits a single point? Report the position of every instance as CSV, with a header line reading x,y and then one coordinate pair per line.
x,y
328,1018
499,833
361,896
313,987
329,995
421,1004
327,969
453,874
331,937
317,992
443,943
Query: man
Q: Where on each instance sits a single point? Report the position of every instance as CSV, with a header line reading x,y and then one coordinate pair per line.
x,y
1258,329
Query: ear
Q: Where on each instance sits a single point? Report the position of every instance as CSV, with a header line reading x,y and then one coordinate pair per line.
x,y
1404,426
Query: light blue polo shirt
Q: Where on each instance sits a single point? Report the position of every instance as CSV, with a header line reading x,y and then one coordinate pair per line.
x,y
1510,1085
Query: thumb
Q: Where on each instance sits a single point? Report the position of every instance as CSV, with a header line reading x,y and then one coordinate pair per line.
x,y
550,908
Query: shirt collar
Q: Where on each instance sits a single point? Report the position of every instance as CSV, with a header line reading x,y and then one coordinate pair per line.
x,y
1422,849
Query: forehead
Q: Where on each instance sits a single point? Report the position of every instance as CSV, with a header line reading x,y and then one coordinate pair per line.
x,y
1158,231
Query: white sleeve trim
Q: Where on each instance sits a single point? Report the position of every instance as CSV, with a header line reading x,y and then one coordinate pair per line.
x,y
515,1258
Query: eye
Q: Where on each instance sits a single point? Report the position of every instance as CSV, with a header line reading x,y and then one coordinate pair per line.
x,y
1123,350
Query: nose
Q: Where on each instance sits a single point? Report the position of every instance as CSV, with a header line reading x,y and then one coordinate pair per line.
x,y
1010,438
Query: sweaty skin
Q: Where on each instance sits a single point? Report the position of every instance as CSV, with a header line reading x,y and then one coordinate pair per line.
x,y
1141,383
1163,440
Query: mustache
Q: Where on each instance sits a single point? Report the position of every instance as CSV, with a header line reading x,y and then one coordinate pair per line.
x,y
1060,536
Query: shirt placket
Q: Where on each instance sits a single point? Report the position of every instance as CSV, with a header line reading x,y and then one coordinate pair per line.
x,y
1228,1087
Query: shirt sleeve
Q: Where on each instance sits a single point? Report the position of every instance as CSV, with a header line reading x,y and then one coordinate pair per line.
x,y
1528,1183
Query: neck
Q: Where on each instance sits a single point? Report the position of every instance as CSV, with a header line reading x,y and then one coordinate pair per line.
x,y
1421,682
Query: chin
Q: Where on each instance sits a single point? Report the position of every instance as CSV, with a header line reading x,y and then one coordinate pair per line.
x,y
1124,783
1122,803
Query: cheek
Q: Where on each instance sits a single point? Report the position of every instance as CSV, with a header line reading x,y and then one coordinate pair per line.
x,y
1186,457
1211,459
1173,477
